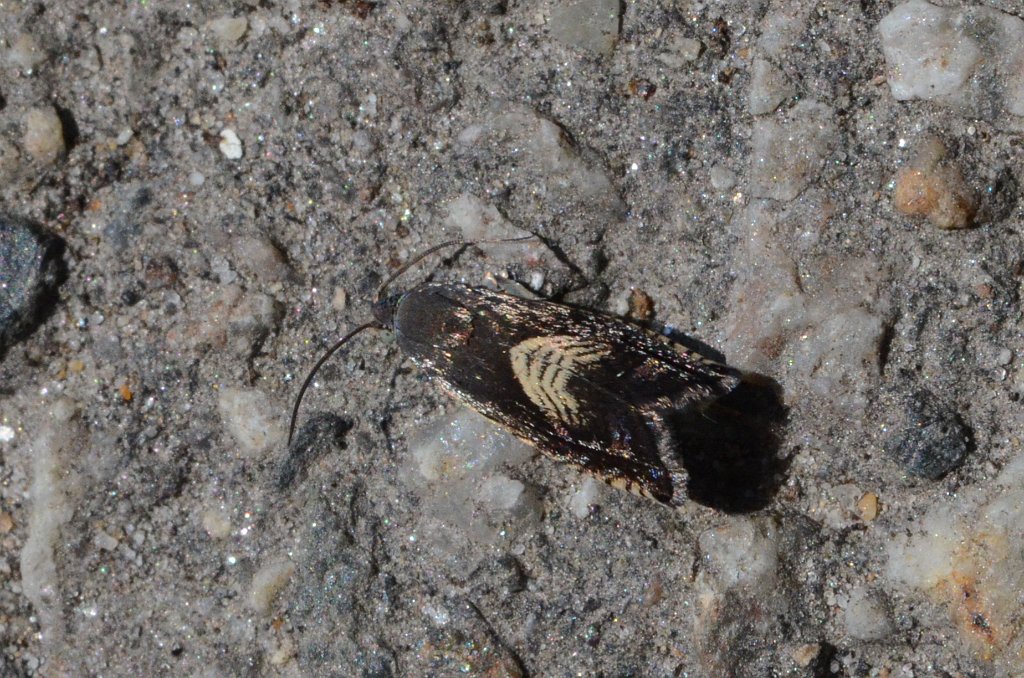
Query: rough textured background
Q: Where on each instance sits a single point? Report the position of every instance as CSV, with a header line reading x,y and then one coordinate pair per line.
x,y
788,181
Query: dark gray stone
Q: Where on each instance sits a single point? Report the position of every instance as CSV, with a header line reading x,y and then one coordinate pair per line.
x,y
933,440
31,269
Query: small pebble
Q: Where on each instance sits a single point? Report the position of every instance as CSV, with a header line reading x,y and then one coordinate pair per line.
x,y
105,542
6,522
591,25
934,189
29,270
267,583
25,52
641,306
769,87
805,654
228,30
44,135
216,523
722,178
339,302
867,506
932,442
230,145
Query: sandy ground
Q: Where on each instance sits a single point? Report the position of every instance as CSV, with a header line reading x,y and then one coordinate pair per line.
x,y
230,183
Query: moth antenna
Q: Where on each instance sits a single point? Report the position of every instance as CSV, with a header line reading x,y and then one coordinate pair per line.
x,y
440,246
319,363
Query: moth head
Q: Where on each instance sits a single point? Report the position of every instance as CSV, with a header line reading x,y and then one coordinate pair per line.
x,y
384,310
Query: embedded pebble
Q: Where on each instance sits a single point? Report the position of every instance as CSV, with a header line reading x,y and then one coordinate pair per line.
x,y
969,57
501,492
678,50
261,259
722,178
232,318
934,189
216,522
932,442
268,582
865,615
538,153
105,542
25,52
479,221
339,300
228,30
54,450
230,145
742,552
251,419
6,522
591,25
867,506
769,87
459,463
824,334
44,135
29,271
585,497
788,155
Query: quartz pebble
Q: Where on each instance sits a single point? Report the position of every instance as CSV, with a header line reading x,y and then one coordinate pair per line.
x,y
769,87
787,155
230,145
969,58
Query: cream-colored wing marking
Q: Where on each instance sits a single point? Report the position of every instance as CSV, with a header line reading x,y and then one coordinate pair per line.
x,y
543,365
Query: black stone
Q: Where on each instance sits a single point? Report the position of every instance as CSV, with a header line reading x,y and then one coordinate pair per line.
x,y
932,441
31,270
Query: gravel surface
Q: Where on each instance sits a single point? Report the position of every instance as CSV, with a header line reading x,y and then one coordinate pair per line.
x,y
197,200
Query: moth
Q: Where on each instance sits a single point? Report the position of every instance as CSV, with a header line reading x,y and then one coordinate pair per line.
x,y
585,388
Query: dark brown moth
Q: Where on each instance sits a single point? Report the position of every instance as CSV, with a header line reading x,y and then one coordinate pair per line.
x,y
585,388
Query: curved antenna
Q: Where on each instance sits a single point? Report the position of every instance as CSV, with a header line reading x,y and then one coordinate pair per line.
x,y
440,246
319,363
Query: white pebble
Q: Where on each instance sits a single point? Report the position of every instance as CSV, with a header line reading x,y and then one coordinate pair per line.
x,y
230,145
251,420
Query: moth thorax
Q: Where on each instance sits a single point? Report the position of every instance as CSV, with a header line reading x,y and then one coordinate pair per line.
x,y
429,315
